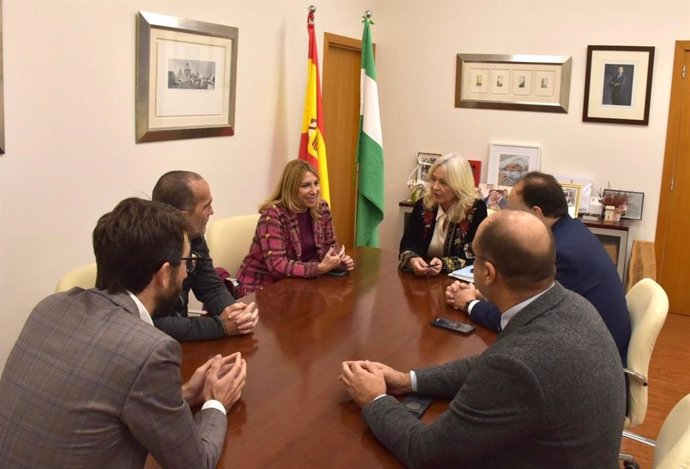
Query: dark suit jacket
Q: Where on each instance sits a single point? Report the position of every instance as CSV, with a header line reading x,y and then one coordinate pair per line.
x,y
548,393
420,229
88,384
210,290
583,266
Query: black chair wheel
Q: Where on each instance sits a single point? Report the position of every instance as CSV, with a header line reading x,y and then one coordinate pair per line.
x,y
631,465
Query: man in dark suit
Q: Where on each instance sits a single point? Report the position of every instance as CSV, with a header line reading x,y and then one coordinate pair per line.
x,y
190,193
617,84
582,264
548,393
91,383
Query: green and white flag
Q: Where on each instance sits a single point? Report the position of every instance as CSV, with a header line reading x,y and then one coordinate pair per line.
x,y
369,150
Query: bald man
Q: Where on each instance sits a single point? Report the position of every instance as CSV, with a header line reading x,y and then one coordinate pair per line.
x,y
582,264
548,393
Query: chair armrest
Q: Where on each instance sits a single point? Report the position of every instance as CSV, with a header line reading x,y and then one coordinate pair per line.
x,y
641,379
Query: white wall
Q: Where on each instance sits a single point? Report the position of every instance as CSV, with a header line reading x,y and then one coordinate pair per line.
x,y
69,109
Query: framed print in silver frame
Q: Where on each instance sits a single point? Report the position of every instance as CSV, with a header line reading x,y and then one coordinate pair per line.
x,y
509,163
618,84
515,82
186,78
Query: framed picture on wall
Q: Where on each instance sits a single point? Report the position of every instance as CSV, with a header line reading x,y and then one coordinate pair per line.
x,y
618,84
508,163
186,75
515,82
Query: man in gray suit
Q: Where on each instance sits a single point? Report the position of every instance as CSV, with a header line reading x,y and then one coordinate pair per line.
x,y
190,193
91,383
548,393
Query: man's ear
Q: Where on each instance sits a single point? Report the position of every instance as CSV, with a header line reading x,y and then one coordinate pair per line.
x,y
489,273
537,211
162,276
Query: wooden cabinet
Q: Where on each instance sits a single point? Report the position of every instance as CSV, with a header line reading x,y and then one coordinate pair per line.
x,y
614,237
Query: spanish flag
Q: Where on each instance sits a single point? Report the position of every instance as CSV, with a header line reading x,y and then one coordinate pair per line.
x,y
312,147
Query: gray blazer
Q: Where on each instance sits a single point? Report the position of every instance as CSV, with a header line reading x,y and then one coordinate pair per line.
x,y
548,393
90,385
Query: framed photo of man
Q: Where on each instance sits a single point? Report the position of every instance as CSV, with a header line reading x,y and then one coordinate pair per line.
x,y
618,84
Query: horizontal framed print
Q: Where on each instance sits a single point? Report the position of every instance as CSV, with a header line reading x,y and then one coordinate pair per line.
x,y
572,197
514,82
186,78
631,203
509,163
618,84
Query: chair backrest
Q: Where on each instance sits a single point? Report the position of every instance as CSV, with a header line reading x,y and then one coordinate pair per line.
x,y
84,276
229,240
673,443
648,307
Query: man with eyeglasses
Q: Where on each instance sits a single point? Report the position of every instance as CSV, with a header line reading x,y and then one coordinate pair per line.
x,y
582,264
190,193
549,392
91,383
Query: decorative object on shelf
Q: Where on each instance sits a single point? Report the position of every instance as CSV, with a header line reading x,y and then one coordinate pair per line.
x,y
496,197
572,196
618,84
515,82
508,163
424,162
417,179
610,213
416,188
186,75
586,187
627,204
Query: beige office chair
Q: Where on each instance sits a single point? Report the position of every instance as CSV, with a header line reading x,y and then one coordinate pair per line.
x,y
229,240
84,277
648,307
673,444
672,447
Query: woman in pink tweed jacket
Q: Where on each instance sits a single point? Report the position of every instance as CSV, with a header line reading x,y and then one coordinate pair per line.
x,y
294,235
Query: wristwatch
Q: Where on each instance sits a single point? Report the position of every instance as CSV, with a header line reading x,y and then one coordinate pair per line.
x,y
466,308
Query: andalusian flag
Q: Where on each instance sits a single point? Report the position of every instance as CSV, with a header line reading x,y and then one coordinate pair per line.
x,y
369,150
312,147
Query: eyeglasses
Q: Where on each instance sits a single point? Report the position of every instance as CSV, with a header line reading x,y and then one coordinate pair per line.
x,y
191,262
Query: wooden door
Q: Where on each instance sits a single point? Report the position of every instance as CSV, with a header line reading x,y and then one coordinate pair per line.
x,y
673,225
342,62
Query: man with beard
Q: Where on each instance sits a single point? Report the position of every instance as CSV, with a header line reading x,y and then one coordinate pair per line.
x,y
91,383
188,192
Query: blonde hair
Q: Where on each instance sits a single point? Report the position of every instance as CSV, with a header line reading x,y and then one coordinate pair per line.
x,y
285,193
460,180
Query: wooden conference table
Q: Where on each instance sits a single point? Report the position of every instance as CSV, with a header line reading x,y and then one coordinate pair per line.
x,y
294,411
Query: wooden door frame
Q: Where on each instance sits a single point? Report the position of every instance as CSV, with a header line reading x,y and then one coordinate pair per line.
x,y
672,131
